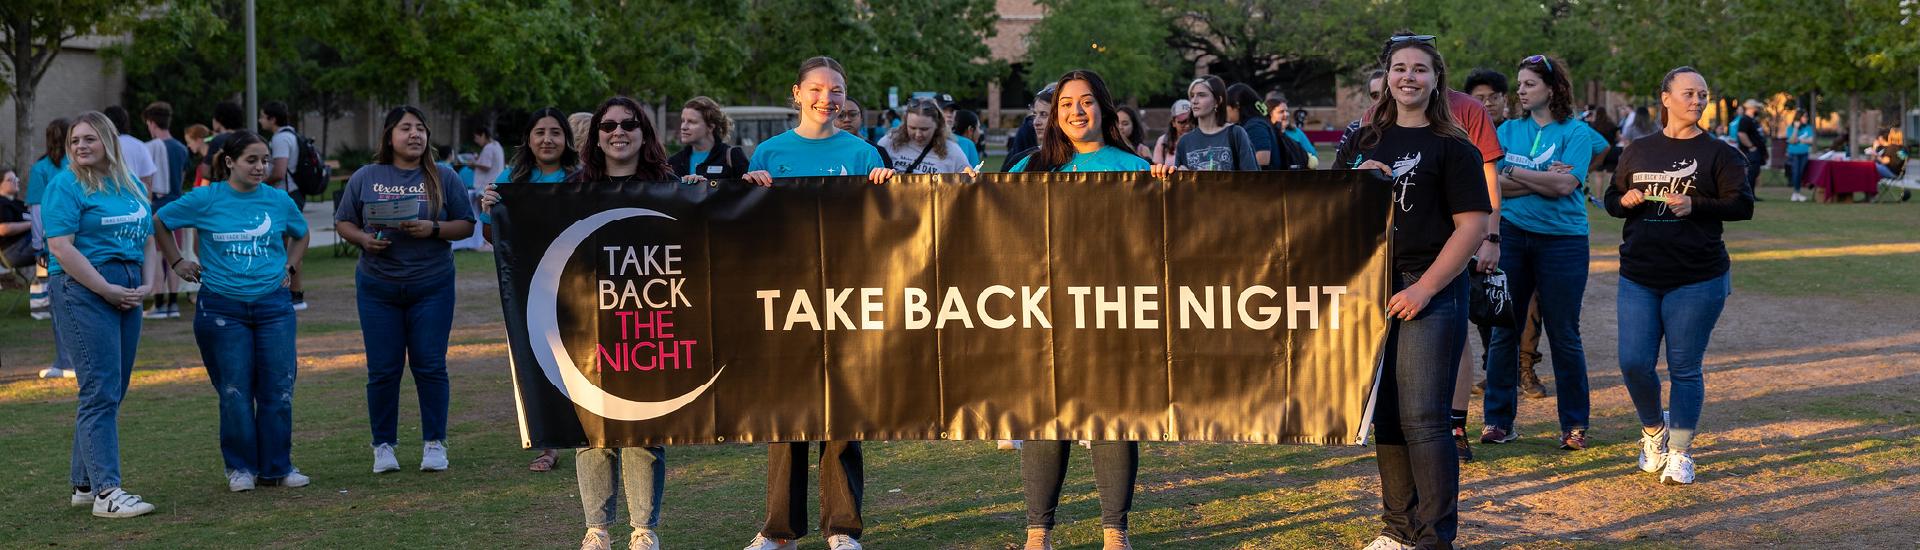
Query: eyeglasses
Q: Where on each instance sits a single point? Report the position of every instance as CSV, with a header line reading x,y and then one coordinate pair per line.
x,y
630,124
1405,38
1541,59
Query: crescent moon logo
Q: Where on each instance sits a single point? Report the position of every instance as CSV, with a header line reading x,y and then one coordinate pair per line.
x,y
554,360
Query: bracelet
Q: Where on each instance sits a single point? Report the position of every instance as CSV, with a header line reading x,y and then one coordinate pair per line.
x,y
436,230
176,262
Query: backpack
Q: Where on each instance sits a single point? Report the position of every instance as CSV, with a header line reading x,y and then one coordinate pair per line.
x,y
1292,155
309,174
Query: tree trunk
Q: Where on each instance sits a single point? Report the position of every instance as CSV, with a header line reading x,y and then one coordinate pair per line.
x,y
22,127
1853,124
453,152
413,91
326,123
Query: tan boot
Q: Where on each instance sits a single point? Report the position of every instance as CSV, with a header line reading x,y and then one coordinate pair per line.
x,y
1530,383
1114,539
1039,539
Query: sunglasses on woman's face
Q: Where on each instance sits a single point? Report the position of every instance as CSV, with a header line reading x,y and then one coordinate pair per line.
x,y
630,124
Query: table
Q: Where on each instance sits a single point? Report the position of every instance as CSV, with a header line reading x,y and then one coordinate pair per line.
x,y
1839,177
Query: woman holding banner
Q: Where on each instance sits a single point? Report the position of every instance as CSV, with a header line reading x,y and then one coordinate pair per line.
x,y
624,148
815,148
1082,136
1675,189
1441,196
244,320
405,210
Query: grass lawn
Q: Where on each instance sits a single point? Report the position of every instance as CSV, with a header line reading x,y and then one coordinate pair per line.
x,y
1812,440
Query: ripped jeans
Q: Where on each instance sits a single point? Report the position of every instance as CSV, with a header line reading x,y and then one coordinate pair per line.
x,y
248,348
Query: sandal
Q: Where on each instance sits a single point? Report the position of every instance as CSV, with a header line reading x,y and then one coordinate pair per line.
x,y
547,459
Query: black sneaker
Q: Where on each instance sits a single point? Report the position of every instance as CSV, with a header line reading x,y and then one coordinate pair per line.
x,y
1460,444
299,301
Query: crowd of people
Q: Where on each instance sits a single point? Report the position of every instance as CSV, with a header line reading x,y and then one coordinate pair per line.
x,y
1481,185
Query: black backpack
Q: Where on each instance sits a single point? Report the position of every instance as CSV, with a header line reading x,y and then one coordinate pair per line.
x,y
308,172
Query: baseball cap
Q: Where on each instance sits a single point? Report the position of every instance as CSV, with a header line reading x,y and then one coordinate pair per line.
x,y
1182,108
945,100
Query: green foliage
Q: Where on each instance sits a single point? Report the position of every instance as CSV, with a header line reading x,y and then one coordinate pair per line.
x,y
677,48
1121,40
934,45
1268,43
1497,34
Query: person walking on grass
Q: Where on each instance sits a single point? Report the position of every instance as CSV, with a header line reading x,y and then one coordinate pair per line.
x,y
1675,189
1441,204
97,222
404,283
253,239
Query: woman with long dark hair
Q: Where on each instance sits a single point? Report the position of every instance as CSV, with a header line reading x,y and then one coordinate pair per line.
x,y
707,156
254,240
1441,207
404,284
1166,150
815,148
38,177
1135,132
1675,188
1083,136
97,227
1543,246
624,146
1217,143
1799,145
1244,109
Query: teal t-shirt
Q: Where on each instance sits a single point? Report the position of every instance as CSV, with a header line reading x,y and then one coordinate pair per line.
x,y
1106,159
966,146
242,252
1300,136
1535,147
555,176
39,177
694,158
109,225
790,156
1800,132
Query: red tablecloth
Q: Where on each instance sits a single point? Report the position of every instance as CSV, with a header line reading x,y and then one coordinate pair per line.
x,y
1842,176
1325,136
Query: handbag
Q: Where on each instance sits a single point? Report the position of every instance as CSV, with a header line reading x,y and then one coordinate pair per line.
x,y
1490,305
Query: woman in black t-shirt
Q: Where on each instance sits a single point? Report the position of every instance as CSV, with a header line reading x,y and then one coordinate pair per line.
x,y
1674,188
1440,217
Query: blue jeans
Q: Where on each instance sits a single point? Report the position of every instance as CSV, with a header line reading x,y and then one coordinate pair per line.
x,y
249,352
1419,467
406,325
603,472
99,341
1556,266
1043,471
1684,316
1756,161
1796,170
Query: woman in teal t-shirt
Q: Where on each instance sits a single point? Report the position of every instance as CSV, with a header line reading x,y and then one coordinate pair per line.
x,y
548,157
97,224
252,239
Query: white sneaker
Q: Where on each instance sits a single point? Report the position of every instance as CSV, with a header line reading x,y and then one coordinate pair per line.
x,y
57,372
1009,444
155,312
842,542
119,504
238,481
82,498
1384,542
1679,469
383,460
1653,448
761,542
596,540
433,458
295,479
643,539
1799,198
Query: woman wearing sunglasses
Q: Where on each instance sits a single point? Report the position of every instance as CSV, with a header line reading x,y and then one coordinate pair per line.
x,y
1441,207
1543,246
1675,188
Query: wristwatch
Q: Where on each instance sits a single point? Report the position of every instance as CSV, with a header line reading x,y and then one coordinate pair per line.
x,y
436,230
1493,238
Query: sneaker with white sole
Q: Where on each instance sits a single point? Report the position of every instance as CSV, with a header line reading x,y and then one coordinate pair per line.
x,y
383,460
643,539
1114,539
1384,542
120,504
1679,469
238,481
57,372
1496,434
155,312
294,479
842,542
761,542
433,457
82,496
1653,448
596,539
299,301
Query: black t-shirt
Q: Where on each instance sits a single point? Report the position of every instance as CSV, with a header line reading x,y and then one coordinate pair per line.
x,y
1013,159
1434,177
723,162
1755,135
1661,250
12,211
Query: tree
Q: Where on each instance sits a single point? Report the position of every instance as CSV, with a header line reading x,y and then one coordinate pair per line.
x,y
1285,43
937,45
1121,40
536,50
1497,34
673,48
32,32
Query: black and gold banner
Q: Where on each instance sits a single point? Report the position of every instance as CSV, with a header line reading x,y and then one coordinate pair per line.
x,y
1206,306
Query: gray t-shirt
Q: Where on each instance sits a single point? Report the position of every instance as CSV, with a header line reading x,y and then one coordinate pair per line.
x,y
283,146
1227,149
903,154
407,260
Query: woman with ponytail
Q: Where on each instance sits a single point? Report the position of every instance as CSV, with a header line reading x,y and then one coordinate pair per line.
x,y
404,283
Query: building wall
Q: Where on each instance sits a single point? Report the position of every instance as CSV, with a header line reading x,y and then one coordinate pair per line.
x,y
79,81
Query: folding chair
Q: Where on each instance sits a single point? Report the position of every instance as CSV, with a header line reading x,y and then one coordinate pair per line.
x,y
1908,181
24,275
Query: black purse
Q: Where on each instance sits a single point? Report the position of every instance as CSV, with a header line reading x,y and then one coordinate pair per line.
x,y
1490,305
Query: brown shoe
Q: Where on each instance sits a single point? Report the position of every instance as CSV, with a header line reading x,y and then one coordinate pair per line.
x,y
1114,539
1039,539
1530,383
1479,388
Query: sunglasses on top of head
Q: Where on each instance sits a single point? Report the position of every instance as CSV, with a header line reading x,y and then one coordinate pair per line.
x,y
1541,59
1406,37
630,124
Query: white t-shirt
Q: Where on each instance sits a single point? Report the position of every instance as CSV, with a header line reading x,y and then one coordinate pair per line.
x,y
953,163
138,159
162,184
283,146
491,156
